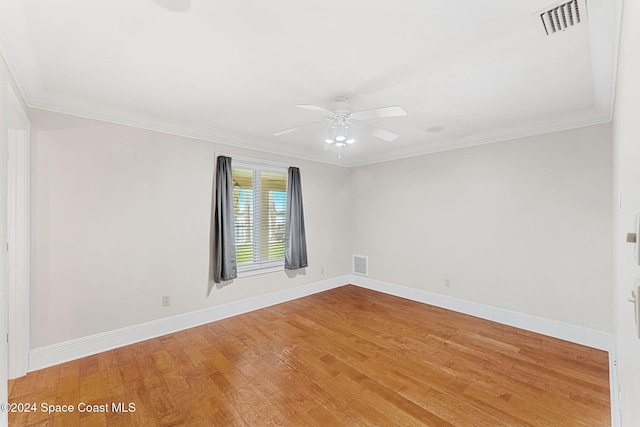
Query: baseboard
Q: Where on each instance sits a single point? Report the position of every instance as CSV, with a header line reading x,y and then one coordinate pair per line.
x,y
74,349
69,350
554,328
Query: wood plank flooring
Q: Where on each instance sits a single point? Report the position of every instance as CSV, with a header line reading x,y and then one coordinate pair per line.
x,y
347,356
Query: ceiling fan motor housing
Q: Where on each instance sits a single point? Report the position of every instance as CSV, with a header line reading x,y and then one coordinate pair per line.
x,y
340,117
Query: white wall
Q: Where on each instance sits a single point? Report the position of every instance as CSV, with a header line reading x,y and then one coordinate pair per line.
x,y
120,217
522,224
626,125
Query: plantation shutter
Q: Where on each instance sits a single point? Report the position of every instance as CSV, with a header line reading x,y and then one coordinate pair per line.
x,y
260,214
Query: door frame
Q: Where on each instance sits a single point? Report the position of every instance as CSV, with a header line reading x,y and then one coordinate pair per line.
x,y
16,133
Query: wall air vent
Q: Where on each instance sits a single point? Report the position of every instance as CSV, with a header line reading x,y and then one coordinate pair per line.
x,y
360,265
562,16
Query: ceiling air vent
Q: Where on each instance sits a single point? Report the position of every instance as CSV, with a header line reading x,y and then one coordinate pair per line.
x,y
360,265
563,16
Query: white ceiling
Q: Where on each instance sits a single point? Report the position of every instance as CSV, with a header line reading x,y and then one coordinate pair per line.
x,y
233,71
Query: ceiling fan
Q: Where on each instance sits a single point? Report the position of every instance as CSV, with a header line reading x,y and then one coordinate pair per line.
x,y
342,120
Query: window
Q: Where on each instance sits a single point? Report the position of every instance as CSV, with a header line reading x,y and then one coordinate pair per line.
x,y
259,202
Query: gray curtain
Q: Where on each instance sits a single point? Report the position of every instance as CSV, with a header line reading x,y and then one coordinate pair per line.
x,y
224,238
295,240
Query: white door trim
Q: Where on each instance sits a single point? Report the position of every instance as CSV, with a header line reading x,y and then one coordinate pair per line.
x,y
16,130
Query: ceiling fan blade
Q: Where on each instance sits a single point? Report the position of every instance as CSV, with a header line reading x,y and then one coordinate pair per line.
x,y
375,113
313,108
383,134
286,131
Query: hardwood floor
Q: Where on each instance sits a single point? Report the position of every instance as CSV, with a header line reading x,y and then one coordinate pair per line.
x,y
347,356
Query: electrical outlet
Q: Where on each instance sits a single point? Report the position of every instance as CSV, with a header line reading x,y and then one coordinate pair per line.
x,y
447,283
166,300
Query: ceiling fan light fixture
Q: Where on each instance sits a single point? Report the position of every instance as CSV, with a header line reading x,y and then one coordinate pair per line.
x,y
340,144
341,134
